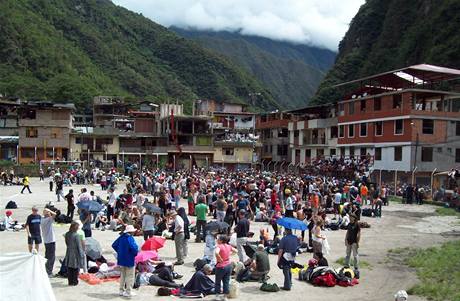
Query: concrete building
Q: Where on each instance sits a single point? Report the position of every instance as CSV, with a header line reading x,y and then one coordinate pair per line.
x,y
313,134
400,119
44,131
9,128
273,131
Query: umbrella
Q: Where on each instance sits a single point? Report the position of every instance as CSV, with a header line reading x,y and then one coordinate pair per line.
x,y
143,256
292,223
154,243
93,248
91,206
216,226
152,208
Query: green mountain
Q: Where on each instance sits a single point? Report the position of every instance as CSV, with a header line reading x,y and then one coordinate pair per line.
x,y
292,72
391,34
73,50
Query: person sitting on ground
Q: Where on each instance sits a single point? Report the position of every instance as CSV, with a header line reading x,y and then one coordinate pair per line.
x,y
261,215
322,261
260,265
200,283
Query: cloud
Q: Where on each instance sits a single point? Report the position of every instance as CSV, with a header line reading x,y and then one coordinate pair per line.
x,y
316,22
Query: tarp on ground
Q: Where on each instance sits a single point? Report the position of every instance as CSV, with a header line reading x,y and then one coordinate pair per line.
x,y
23,278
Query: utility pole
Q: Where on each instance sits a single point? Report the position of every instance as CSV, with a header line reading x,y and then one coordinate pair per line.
x,y
416,148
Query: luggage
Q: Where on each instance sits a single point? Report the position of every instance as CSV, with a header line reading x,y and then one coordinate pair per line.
x,y
270,287
325,280
367,212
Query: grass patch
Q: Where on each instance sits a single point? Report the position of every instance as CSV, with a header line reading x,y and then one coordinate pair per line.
x,y
394,199
438,269
447,212
362,263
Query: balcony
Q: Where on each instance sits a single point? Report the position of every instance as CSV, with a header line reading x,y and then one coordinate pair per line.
x,y
322,123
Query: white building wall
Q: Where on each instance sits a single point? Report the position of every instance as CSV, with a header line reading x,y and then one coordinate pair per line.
x,y
388,162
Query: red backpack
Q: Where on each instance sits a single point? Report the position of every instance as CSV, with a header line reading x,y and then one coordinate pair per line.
x,y
325,280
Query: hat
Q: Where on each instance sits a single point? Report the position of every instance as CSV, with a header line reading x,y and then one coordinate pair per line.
x,y
312,262
129,229
287,191
9,212
401,296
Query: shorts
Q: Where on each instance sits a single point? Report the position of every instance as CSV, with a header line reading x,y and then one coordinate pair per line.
x,y
34,239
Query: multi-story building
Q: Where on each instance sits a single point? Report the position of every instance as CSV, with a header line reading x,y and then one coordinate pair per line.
x,y
313,134
272,130
9,128
44,130
400,119
233,129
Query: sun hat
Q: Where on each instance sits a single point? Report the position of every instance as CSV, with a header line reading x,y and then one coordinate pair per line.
x,y
129,229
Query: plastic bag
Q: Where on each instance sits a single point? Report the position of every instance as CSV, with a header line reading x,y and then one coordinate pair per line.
x,y
325,247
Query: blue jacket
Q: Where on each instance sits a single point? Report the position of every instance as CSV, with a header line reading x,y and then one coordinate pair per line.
x,y
126,249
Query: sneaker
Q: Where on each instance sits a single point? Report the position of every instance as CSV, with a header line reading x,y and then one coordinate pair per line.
x,y
179,262
128,295
121,293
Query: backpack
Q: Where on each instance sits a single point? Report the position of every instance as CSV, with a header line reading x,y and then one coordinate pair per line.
x,y
164,291
270,287
367,212
11,205
325,280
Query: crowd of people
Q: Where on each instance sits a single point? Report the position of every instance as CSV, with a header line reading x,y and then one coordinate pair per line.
x,y
150,205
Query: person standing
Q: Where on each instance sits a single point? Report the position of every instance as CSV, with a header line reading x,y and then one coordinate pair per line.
x,y
286,257
223,265
201,210
70,204
59,188
33,229
25,184
148,225
179,238
49,239
74,254
221,208
126,249
111,204
352,239
289,204
85,217
242,230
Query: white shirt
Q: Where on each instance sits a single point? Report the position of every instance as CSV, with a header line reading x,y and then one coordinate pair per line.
x,y
47,230
178,224
337,198
112,200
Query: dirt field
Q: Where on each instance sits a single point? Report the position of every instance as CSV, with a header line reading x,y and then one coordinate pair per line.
x,y
400,226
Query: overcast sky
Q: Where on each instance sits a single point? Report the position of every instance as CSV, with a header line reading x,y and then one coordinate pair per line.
x,y
316,22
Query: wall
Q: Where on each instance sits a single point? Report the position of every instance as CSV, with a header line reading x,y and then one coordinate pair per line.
x,y
240,155
388,162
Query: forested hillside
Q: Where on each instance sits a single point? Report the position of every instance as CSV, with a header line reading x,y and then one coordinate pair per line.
x,y
292,72
75,49
391,34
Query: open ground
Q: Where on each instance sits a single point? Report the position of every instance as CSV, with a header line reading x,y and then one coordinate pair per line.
x,y
400,226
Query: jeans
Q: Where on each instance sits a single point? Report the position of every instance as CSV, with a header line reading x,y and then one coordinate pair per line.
x,y
59,195
87,232
200,230
287,276
50,255
352,247
240,242
26,187
220,215
147,234
181,247
126,279
223,275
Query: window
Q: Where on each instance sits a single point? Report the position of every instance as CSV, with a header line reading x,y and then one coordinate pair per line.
x,y
333,132
378,154
428,126
56,133
352,151
60,115
282,133
457,155
439,149
29,114
449,150
308,153
399,127
77,140
457,128
296,133
332,152
342,151
362,151
27,152
351,130
398,153
351,108
50,153
427,154
341,131
341,109
377,104
397,101
31,133
378,128
363,104
228,151
363,129
282,150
